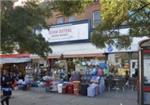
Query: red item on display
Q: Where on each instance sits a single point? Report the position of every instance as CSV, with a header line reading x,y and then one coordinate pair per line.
x,y
65,89
70,89
48,83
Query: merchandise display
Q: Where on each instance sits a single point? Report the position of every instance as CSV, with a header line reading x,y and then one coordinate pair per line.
x,y
91,80
92,90
88,82
83,89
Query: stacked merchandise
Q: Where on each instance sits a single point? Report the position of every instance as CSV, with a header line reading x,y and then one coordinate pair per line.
x,y
97,85
53,87
47,83
93,87
85,80
92,90
60,87
101,85
88,83
76,85
69,88
64,88
21,84
35,84
83,89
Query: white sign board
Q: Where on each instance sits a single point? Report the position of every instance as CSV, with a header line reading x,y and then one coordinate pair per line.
x,y
133,67
147,70
67,32
14,60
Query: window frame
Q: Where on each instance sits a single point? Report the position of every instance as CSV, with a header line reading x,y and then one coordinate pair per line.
x,y
71,19
58,20
95,20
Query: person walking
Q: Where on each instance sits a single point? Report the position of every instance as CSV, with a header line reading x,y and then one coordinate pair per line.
x,y
5,87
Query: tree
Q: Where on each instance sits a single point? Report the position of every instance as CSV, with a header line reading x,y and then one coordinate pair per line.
x,y
116,14
70,7
18,23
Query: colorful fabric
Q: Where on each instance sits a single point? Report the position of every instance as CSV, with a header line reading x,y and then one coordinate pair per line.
x,y
103,65
99,72
106,72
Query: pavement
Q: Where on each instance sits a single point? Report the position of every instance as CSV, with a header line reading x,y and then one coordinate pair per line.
x,y
37,96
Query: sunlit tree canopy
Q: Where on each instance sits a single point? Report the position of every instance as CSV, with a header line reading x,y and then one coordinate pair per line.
x,y
18,23
117,14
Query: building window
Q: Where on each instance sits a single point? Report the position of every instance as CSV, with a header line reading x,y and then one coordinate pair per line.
x,y
71,19
60,20
96,18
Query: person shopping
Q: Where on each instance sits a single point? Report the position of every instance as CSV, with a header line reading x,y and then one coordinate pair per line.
x,y
5,88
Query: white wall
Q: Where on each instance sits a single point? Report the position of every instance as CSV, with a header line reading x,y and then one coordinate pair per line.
x,y
85,48
79,48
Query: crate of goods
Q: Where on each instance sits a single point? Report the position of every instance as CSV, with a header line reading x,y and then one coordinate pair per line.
x,y
70,88
64,89
76,85
92,90
83,89
60,88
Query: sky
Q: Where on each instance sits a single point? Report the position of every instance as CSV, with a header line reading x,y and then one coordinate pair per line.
x,y
19,3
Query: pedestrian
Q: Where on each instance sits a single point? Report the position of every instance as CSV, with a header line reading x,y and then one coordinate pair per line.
x,y
136,76
127,78
6,88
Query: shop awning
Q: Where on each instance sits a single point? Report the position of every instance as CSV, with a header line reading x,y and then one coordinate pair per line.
x,y
84,55
77,55
14,58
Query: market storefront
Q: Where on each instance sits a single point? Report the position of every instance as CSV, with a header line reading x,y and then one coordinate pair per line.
x,y
73,52
75,62
15,63
120,62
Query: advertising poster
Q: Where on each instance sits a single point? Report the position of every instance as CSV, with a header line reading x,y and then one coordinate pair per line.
x,y
146,65
147,69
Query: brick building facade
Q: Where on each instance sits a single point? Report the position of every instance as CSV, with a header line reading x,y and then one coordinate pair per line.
x,y
88,14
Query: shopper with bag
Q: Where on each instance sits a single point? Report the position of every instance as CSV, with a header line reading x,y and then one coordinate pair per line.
x,y
6,88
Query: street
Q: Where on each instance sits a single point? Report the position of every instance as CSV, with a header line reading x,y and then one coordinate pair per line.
x,y
38,97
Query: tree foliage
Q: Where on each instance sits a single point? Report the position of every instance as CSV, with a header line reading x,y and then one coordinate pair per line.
x,y
71,6
116,14
18,23
17,26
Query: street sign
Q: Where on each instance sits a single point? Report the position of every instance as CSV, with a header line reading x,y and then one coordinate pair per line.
x,y
110,49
